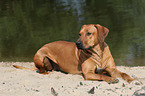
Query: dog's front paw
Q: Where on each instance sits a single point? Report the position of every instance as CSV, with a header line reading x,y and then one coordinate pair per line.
x,y
113,81
135,82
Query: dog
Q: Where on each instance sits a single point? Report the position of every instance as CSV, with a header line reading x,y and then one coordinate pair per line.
x,y
90,56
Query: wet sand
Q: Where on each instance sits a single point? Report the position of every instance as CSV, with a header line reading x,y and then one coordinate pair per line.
x,y
16,82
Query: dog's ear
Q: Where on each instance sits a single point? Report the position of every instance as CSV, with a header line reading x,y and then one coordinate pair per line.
x,y
102,32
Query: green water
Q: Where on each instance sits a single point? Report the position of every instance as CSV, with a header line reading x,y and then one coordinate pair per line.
x,y
26,25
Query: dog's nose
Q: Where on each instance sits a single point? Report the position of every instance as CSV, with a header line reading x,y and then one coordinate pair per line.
x,y
78,43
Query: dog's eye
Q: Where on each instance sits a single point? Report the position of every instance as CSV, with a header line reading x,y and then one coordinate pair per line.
x,y
88,33
79,34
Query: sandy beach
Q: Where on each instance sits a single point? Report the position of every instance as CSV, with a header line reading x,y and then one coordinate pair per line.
x,y
16,82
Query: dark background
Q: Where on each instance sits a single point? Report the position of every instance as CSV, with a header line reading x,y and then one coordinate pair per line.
x,y
26,25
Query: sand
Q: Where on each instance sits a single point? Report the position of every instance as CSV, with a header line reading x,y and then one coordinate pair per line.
x,y
16,82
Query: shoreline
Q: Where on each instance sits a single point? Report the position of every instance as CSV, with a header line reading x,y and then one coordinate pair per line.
x,y
16,82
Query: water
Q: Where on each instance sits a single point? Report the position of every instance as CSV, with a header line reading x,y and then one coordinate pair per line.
x,y
26,25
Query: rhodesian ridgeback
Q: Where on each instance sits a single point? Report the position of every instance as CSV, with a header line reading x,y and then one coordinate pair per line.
x,y
89,56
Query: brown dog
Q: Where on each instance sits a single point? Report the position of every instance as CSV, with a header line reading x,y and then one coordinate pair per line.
x,y
90,56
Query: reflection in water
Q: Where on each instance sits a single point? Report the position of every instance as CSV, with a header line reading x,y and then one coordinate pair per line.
x,y
26,25
77,5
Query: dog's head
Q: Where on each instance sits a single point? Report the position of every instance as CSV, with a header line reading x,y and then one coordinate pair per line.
x,y
91,35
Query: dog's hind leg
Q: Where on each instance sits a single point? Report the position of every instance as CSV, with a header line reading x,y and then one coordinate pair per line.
x,y
43,65
48,64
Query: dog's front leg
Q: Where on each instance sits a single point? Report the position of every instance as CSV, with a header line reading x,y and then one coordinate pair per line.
x,y
98,77
89,74
117,74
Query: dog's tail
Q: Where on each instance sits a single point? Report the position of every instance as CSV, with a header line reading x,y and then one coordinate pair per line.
x,y
24,68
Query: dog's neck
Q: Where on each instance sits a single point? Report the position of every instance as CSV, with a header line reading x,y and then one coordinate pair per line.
x,y
98,50
97,53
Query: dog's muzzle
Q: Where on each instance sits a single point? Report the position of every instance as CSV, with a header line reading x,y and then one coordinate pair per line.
x,y
80,45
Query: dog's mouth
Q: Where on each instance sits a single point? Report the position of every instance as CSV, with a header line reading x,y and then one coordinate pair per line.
x,y
80,46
